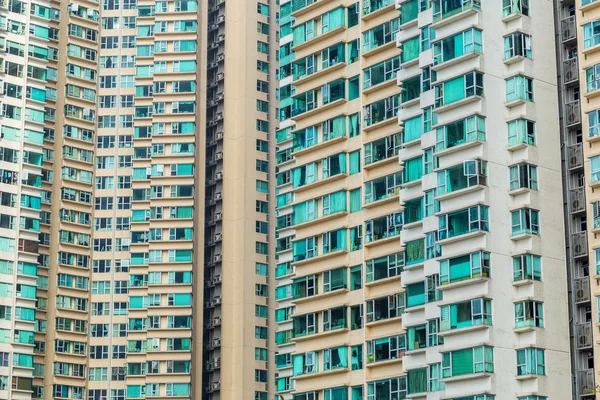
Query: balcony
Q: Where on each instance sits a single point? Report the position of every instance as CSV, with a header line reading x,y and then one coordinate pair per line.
x,y
582,290
577,197
575,155
583,334
384,227
570,71
585,382
579,244
568,29
573,113
462,222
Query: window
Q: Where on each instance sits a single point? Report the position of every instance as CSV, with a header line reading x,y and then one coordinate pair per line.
x,y
459,88
517,44
527,266
531,362
465,314
525,221
387,389
519,88
469,41
529,314
510,7
591,34
465,267
385,307
592,78
468,361
523,176
463,221
521,131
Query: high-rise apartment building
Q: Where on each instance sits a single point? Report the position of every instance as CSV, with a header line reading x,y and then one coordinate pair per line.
x,y
420,216
135,199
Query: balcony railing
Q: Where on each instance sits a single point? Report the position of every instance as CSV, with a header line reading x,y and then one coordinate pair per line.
x,y
585,382
577,196
582,289
570,70
568,29
575,155
583,333
572,113
579,244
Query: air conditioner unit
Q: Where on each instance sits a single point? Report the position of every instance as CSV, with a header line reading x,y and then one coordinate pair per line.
x,y
220,19
569,75
219,175
567,33
124,263
218,216
216,300
573,162
220,75
218,237
216,342
575,204
215,385
571,118
216,279
218,155
217,257
577,248
74,7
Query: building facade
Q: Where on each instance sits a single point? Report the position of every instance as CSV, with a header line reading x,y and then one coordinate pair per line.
x,y
117,164
420,217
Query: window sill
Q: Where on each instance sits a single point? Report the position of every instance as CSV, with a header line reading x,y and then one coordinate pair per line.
x,y
411,225
416,351
420,307
383,281
414,267
514,60
448,20
376,203
306,9
409,63
318,38
319,374
524,282
464,236
467,377
512,17
591,50
516,192
460,147
319,183
525,329
522,236
381,162
460,192
467,329
518,146
589,6
416,182
527,377
319,258
515,103
380,124
381,11
383,240
320,296
321,72
456,104
380,85
319,108
411,143
388,45
383,322
411,102
384,363
318,146
454,61
320,219
466,282
319,335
